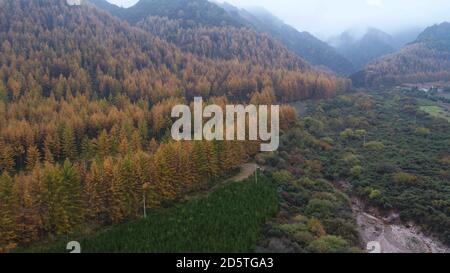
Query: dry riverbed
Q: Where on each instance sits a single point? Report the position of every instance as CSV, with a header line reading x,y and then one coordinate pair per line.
x,y
391,235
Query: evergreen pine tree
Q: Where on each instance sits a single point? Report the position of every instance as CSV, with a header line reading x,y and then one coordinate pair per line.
x,y
69,145
8,235
33,157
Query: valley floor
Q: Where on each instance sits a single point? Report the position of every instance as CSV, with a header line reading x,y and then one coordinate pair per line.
x,y
297,206
392,155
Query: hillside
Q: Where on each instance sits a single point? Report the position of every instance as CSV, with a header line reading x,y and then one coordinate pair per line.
x,y
103,47
193,28
105,5
88,154
405,37
227,220
224,43
425,60
85,103
191,12
219,22
303,44
362,50
437,36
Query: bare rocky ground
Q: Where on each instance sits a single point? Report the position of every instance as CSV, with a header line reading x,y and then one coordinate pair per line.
x,y
391,235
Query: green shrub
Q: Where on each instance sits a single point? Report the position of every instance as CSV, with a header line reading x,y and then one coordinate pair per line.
x,y
356,171
320,209
421,131
282,177
328,140
347,134
375,194
303,238
316,227
329,244
374,145
351,159
404,178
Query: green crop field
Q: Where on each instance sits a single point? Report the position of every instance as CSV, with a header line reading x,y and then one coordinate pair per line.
x,y
436,111
229,220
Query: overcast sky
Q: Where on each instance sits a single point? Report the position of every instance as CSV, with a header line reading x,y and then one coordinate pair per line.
x,y
326,18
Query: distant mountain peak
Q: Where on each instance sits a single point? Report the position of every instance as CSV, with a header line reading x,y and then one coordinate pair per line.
x,y
191,14
74,2
374,32
378,37
357,34
199,11
427,59
363,45
436,33
303,44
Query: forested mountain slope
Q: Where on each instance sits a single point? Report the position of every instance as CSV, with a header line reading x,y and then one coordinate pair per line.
x,y
227,43
85,102
189,11
425,60
191,26
116,58
303,43
218,22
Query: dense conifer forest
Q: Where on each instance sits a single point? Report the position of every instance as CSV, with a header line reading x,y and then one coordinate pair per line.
x,y
86,153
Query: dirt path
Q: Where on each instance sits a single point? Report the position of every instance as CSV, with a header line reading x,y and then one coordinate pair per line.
x,y
392,236
247,170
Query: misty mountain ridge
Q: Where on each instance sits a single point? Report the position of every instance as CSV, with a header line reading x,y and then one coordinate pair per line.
x,y
87,146
406,36
304,44
111,57
190,11
196,13
177,21
363,48
356,34
354,50
437,35
426,60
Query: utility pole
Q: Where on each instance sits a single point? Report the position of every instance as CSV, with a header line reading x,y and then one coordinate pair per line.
x,y
145,207
144,191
